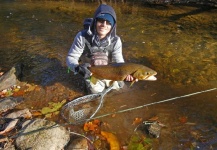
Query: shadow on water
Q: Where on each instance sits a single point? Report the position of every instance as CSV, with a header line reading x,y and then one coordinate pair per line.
x,y
28,40
46,71
193,12
39,39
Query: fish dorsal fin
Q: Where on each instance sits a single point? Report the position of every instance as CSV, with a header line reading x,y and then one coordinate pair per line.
x,y
135,74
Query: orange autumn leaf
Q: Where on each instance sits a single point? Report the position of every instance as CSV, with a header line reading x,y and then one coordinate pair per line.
x,y
90,126
183,119
137,121
86,127
36,113
18,93
96,121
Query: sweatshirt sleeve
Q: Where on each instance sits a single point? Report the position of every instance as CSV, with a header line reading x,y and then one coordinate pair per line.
x,y
117,55
75,52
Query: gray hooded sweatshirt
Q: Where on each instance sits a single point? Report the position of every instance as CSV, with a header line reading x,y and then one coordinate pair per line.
x,y
78,45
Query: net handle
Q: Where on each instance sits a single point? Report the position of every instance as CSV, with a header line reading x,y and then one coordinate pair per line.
x,y
101,100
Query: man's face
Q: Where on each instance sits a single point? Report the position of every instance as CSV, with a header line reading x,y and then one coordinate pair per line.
x,y
103,27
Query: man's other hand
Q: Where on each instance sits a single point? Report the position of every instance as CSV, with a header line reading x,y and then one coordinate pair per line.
x,y
83,70
130,78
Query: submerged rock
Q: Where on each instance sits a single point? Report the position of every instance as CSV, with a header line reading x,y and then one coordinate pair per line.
x,y
79,143
9,103
38,135
11,77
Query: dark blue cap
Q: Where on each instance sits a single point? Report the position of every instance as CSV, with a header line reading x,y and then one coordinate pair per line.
x,y
107,17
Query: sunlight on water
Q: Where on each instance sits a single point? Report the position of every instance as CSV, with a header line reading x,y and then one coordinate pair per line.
x,y
179,42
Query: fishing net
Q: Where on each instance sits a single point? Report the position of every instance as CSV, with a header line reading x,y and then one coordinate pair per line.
x,y
83,108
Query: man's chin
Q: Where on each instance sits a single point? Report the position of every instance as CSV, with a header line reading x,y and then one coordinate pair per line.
x,y
102,33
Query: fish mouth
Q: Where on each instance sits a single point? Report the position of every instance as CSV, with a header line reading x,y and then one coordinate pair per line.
x,y
151,78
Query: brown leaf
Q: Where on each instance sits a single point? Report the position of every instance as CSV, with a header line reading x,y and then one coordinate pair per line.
x,y
155,118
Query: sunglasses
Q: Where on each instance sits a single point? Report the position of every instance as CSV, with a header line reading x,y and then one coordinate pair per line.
x,y
101,20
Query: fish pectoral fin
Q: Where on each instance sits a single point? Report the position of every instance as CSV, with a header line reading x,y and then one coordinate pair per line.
x,y
132,83
93,80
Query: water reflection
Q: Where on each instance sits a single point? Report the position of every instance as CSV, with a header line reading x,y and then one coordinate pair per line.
x,y
179,42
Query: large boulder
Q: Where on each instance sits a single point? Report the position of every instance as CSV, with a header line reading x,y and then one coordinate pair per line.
x,y
42,134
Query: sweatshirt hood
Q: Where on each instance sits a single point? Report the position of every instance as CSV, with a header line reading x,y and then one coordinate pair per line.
x,y
104,9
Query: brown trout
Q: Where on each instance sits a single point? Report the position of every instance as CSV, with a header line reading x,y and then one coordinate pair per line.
x,y
119,71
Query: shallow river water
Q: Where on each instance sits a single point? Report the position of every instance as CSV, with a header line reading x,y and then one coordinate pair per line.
x,y
179,42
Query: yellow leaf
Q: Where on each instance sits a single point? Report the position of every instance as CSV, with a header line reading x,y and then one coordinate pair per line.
x,y
48,115
53,107
30,88
46,110
112,140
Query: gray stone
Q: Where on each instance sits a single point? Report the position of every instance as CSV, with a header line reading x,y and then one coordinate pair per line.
x,y
37,136
78,144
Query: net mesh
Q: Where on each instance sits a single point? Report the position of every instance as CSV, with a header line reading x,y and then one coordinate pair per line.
x,y
83,108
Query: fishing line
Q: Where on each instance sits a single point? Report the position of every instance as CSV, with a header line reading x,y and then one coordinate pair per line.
x,y
108,114
166,100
